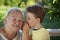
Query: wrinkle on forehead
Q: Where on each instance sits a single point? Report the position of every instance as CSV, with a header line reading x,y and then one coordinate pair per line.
x,y
16,14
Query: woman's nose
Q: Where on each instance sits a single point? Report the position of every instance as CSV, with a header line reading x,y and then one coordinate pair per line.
x,y
17,22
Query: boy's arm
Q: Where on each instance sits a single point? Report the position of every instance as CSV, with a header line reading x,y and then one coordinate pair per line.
x,y
25,33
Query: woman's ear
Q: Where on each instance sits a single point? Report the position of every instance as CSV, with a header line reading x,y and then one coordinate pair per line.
x,y
5,21
38,20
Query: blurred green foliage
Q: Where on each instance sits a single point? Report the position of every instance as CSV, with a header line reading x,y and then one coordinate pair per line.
x,y
52,11
53,8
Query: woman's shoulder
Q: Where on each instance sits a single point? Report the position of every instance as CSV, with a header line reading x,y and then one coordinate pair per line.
x,y
1,29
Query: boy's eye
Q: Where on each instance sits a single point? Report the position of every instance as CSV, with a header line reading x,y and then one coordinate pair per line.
x,y
28,19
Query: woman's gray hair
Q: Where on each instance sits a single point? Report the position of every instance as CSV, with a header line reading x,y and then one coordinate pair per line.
x,y
14,9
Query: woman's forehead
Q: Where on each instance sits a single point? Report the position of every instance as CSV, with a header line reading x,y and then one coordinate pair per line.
x,y
15,13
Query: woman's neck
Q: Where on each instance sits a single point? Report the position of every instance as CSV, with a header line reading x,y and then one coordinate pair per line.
x,y
37,26
10,33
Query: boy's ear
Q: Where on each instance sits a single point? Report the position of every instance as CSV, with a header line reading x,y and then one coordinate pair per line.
x,y
38,20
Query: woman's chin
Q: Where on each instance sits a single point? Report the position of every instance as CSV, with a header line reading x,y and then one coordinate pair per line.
x,y
16,29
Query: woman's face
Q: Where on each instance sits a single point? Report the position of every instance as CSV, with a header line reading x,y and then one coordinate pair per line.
x,y
14,20
31,19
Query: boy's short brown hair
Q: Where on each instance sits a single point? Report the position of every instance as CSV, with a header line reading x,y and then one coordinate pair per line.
x,y
37,10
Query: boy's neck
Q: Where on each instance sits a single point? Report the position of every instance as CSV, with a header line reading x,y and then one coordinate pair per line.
x,y
37,26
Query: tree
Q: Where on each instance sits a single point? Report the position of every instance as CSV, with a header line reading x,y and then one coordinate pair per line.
x,y
52,7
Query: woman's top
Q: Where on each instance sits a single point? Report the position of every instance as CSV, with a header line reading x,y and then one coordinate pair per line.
x,y
18,37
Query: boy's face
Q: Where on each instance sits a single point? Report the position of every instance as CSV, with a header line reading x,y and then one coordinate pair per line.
x,y
31,19
14,20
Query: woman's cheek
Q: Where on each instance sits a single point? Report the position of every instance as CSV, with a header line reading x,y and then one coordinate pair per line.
x,y
11,23
20,25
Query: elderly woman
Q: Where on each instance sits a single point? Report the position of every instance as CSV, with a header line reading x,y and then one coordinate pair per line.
x,y
12,24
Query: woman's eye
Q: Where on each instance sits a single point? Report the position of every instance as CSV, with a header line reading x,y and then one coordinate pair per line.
x,y
14,19
20,20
